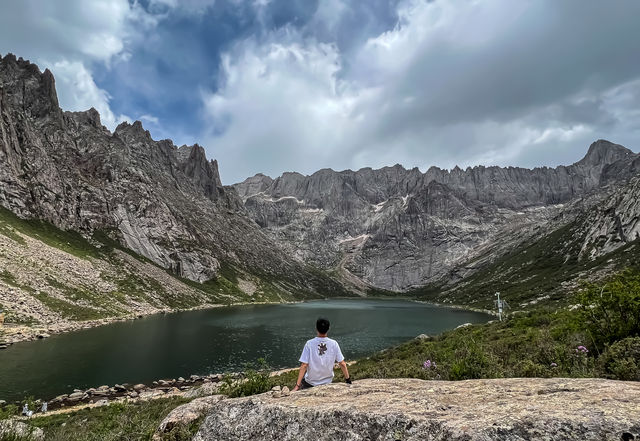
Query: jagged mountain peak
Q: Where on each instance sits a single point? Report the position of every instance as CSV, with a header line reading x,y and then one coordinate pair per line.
x,y
603,152
24,85
90,117
136,130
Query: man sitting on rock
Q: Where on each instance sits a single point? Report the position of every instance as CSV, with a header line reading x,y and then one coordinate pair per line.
x,y
318,357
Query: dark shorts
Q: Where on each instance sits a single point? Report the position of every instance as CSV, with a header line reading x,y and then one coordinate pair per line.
x,y
305,385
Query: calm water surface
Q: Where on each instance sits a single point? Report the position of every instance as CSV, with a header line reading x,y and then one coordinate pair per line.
x,y
211,341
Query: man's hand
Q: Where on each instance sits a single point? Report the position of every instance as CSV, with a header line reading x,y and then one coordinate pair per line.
x,y
303,369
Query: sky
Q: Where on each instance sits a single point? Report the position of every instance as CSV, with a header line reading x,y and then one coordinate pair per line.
x,y
268,86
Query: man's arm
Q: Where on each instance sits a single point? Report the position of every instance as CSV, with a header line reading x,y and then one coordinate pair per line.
x,y
303,370
345,371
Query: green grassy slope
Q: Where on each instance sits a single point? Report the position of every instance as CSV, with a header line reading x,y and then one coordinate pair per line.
x,y
546,269
130,278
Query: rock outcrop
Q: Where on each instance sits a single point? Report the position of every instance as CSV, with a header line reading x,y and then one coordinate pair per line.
x,y
396,229
409,409
164,202
186,414
11,429
613,222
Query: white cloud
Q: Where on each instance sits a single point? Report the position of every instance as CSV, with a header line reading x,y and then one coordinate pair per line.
x,y
75,29
77,91
192,7
148,118
280,101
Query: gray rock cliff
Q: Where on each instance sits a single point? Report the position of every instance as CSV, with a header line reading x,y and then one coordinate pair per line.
x,y
163,202
396,229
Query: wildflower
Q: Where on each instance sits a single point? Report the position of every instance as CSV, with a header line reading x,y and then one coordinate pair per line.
x,y
582,349
553,365
429,365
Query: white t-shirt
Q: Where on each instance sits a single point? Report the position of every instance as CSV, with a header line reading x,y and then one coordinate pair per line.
x,y
321,353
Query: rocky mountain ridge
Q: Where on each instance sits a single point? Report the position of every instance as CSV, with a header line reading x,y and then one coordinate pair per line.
x,y
161,201
397,229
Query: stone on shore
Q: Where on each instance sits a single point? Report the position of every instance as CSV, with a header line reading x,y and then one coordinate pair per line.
x,y
76,396
205,390
411,410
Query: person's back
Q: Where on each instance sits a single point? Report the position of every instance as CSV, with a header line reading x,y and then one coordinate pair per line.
x,y
321,354
318,358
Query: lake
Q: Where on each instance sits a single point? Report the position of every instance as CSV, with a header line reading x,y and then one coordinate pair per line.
x,y
211,341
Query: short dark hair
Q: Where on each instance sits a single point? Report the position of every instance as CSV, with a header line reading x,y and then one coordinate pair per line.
x,y
322,325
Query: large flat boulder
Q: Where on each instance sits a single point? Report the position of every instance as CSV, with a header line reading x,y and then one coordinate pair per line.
x,y
409,409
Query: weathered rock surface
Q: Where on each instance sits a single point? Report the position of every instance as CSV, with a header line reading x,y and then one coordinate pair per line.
x,y
612,222
186,414
408,409
395,228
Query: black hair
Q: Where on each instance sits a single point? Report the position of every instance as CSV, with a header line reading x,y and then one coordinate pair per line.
x,y
322,325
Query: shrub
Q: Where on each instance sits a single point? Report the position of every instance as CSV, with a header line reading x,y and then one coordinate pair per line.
x,y
621,360
471,361
8,411
611,311
529,368
255,380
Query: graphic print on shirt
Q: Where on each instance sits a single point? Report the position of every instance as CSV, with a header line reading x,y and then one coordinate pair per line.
x,y
322,348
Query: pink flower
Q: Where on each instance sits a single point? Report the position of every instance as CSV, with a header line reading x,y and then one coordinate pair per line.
x,y
429,364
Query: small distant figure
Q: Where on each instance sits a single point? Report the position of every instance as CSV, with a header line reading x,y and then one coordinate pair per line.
x,y
45,407
318,358
25,411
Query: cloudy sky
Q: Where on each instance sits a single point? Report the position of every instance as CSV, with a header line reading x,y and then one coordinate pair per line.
x,y
298,85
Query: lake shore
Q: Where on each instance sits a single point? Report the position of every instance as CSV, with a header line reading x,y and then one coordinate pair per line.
x,y
15,333
461,307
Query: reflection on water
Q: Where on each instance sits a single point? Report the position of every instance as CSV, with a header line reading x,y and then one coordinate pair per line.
x,y
211,341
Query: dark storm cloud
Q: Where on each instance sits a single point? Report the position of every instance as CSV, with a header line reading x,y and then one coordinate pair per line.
x,y
275,85
460,82
546,52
